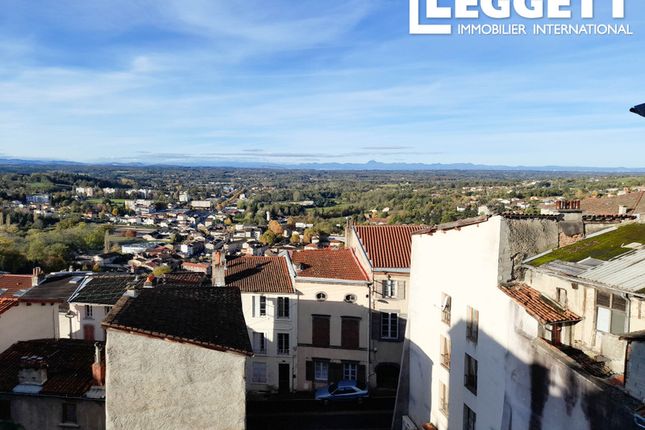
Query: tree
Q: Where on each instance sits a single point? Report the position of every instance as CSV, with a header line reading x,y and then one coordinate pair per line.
x,y
295,239
161,270
268,238
275,227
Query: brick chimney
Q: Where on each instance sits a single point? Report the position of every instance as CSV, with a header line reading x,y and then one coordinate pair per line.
x,y
32,370
218,272
36,276
98,367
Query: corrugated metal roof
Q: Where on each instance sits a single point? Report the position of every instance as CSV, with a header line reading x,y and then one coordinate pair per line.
x,y
626,272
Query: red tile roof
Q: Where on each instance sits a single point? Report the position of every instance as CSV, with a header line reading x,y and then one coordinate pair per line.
x,y
6,304
14,283
387,246
635,203
259,274
540,307
328,264
69,365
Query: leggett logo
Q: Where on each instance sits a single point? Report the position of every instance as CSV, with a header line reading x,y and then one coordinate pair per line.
x,y
505,9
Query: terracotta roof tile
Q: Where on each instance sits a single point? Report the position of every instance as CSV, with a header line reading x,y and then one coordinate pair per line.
x,y
329,264
210,317
635,203
387,246
259,274
6,304
537,305
13,284
69,365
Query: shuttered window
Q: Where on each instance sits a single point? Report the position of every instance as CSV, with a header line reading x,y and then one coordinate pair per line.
x,y
350,333
320,330
389,325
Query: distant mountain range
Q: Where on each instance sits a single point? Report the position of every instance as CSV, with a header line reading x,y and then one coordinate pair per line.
x,y
370,165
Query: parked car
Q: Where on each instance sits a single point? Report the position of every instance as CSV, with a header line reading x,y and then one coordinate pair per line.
x,y
343,390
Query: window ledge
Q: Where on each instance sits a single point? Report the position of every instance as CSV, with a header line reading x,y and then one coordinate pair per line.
x,y
69,425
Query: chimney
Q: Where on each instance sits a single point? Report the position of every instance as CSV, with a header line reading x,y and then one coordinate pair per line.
x,y
149,281
32,370
36,276
98,367
218,272
571,210
622,210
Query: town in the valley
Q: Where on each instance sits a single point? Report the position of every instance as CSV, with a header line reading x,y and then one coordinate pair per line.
x,y
140,298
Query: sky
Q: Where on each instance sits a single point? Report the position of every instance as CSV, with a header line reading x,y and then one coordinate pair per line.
x,y
286,81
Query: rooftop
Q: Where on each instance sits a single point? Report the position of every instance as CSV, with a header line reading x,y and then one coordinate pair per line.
x,y
14,285
387,246
57,287
539,306
602,247
68,361
210,317
328,264
259,274
105,289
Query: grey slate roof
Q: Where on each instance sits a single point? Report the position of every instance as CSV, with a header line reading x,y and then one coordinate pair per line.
x,y
105,289
58,287
210,317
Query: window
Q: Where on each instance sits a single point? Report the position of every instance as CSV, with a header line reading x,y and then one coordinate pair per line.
x,y
263,306
389,288
446,302
88,312
443,398
259,343
69,413
470,418
349,332
350,298
5,410
350,371
321,297
445,352
107,309
321,370
562,297
259,375
320,330
611,313
389,325
470,374
472,324
283,307
283,343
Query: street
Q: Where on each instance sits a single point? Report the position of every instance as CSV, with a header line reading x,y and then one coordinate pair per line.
x,y
308,414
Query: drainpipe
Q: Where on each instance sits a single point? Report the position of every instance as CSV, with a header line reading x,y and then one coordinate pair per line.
x,y
369,333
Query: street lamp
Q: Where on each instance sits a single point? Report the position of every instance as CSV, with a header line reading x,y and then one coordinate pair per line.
x,y
638,110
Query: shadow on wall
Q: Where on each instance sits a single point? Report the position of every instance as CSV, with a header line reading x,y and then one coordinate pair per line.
x,y
537,391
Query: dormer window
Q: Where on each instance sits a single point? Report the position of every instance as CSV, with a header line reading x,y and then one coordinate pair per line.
x,y
321,296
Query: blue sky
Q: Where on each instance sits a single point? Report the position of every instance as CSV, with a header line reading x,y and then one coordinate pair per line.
x,y
196,81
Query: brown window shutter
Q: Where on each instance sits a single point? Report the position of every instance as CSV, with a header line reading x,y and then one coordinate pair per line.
x,y
350,333
403,319
309,370
320,331
361,377
335,372
376,326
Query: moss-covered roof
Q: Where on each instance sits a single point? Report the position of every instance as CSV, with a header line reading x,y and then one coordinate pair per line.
x,y
603,247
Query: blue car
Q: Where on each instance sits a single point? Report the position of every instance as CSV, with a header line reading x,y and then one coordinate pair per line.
x,y
343,390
